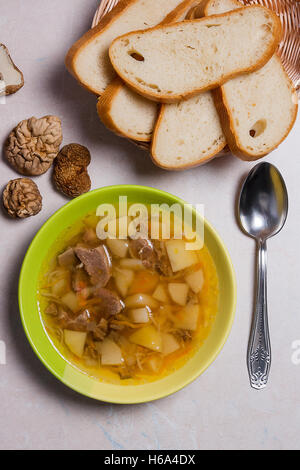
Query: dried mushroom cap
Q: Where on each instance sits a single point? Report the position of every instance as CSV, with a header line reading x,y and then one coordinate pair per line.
x,y
33,144
21,198
70,170
11,78
76,154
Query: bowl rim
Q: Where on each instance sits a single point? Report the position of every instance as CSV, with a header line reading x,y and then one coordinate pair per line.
x,y
68,382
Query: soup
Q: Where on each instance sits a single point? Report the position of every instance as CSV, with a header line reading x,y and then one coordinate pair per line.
x,y
127,310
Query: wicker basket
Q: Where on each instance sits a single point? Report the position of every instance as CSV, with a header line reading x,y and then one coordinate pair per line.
x,y
289,48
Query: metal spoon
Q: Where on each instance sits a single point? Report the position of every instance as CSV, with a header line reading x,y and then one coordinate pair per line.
x,y
263,209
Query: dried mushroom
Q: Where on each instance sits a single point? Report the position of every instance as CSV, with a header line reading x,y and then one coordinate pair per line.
x,y
11,78
70,170
33,144
21,198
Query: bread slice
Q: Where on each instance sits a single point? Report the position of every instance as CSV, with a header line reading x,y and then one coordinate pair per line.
x,y
88,58
127,113
168,63
257,110
187,133
124,111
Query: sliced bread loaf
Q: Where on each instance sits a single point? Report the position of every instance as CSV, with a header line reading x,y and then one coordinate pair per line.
x,y
127,113
88,58
187,133
124,111
168,63
257,110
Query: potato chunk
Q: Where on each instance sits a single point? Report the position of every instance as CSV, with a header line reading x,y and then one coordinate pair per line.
x,y
179,257
195,280
75,340
178,292
187,318
123,279
160,294
149,337
140,315
71,301
111,354
130,263
118,247
154,364
170,344
60,286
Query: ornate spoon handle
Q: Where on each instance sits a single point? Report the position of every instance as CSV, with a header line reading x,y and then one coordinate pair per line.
x,y
259,350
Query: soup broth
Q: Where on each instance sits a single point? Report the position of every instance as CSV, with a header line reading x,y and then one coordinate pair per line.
x,y
126,311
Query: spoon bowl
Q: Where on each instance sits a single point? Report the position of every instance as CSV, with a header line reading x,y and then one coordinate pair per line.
x,y
263,205
263,209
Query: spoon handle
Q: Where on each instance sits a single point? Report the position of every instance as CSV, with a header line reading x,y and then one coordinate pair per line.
x,y
259,350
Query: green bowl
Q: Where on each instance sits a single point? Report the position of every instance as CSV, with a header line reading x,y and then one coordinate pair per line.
x,y
58,365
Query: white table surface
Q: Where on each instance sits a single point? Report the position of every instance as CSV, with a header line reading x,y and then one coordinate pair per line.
x,y
219,410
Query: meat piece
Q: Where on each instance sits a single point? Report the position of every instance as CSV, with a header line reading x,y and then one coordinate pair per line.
x,y
117,327
101,330
111,304
67,258
153,255
64,319
185,335
144,250
52,309
85,321
163,265
97,263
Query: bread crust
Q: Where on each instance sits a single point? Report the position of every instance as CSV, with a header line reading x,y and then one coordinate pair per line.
x,y
108,19
226,118
197,11
227,123
187,166
104,106
181,9
178,97
103,25
207,2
